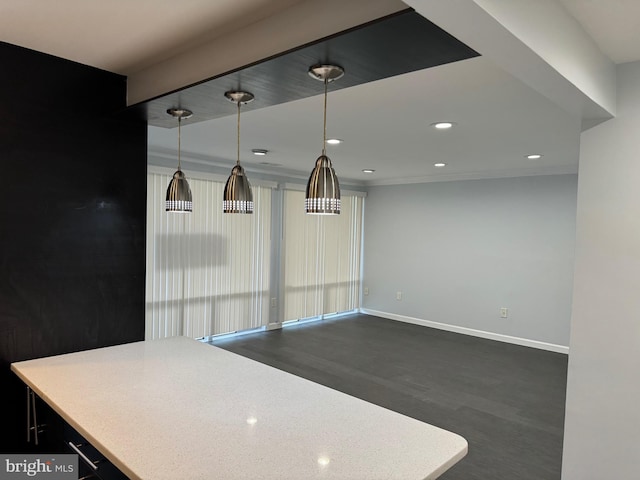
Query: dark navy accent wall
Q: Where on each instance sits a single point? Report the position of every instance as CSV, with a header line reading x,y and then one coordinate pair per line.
x,y
72,217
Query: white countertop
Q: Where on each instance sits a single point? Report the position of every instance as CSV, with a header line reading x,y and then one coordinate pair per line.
x,y
177,408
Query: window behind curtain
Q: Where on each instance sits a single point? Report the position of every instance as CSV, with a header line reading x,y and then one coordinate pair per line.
x,y
207,272
322,258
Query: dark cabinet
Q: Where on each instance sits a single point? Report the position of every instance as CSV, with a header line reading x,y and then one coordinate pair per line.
x,y
92,464
48,432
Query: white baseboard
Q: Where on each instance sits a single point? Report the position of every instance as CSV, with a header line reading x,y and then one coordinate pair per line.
x,y
470,331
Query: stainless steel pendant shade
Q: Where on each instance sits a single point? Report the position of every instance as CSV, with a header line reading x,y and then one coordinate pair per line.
x,y
323,189
238,197
179,194
179,199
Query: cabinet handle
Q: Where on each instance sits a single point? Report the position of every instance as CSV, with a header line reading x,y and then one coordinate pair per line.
x,y
28,415
83,456
32,418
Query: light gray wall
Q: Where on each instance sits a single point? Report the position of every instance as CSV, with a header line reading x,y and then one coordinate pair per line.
x,y
602,428
459,251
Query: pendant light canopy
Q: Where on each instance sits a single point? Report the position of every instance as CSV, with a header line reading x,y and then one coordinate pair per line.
x,y
238,197
323,188
178,193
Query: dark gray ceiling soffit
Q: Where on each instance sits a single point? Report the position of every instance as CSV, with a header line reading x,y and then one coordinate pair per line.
x,y
393,45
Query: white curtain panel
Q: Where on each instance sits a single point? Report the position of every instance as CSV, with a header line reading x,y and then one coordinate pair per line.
x,y
207,272
322,258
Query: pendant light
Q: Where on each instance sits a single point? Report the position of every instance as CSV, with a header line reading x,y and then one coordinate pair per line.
x,y
238,197
178,193
323,189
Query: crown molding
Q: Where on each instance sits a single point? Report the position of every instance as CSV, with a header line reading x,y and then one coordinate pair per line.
x,y
489,174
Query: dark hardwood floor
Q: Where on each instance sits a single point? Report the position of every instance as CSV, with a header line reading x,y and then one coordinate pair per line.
x,y
506,400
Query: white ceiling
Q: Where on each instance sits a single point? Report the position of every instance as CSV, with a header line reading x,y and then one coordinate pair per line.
x,y
385,124
613,24
125,36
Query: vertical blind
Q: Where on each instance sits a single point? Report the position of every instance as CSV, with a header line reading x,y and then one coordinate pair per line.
x,y
207,272
322,258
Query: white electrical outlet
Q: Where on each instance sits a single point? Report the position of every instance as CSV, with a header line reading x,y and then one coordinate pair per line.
x,y
366,290
274,302
398,295
504,312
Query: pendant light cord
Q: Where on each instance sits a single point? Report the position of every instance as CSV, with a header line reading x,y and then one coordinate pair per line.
x,y
238,161
179,147
324,137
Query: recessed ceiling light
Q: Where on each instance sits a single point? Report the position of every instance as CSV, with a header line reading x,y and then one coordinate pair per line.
x,y
260,151
439,164
367,170
534,156
334,141
442,125
252,420
324,461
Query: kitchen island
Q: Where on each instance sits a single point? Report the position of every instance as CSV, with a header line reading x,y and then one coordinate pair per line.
x,y
178,408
